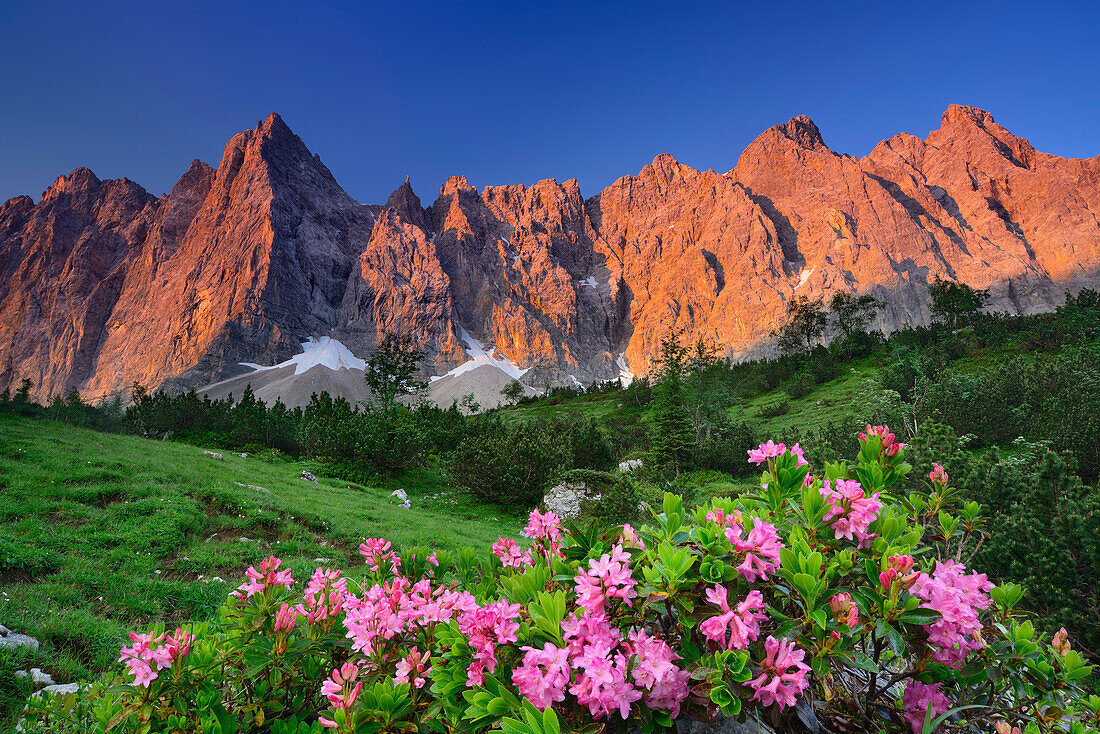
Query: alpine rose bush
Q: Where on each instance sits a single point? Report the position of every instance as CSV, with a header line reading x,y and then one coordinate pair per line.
x,y
824,601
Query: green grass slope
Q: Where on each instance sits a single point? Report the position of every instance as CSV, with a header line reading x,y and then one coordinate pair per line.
x,y
101,533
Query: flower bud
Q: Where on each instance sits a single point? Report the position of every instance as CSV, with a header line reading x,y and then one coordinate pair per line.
x,y
887,578
901,564
938,475
1060,643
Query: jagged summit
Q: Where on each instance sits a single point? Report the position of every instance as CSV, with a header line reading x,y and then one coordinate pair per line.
x,y
102,284
803,131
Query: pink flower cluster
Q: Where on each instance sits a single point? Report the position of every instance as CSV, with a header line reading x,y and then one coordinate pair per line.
x,y
147,651
340,692
510,554
545,529
391,608
605,674
850,511
899,572
890,448
324,596
606,578
485,628
761,548
783,675
959,597
268,576
938,474
630,537
742,621
410,669
377,552
771,450
844,610
918,700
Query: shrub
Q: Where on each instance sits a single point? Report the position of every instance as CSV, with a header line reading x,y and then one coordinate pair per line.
x,y
801,384
508,465
774,409
724,449
820,598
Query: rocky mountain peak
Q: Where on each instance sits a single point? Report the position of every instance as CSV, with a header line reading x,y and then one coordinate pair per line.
x,y
406,204
454,184
802,130
101,284
81,180
961,114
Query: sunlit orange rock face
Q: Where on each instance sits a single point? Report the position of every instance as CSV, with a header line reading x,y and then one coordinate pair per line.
x,y
103,285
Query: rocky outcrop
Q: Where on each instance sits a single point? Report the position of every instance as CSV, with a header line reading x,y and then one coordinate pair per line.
x,y
103,284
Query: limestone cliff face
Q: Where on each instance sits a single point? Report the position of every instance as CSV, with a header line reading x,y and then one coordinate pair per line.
x,y
102,284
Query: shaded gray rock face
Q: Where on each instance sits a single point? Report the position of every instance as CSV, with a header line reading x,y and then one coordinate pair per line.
x,y
103,284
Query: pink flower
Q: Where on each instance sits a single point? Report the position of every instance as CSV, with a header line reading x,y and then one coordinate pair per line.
x,y
543,526
510,554
919,699
485,628
606,578
324,596
761,549
591,631
269,576
376,551
630,537
959,598
147,651
850,511
796,450
656,673
742,622
718,515
411,668
602,685
285,618
889,448
543,675
783,676
338,689
766,451
938,475
844,610
1060,643
433,560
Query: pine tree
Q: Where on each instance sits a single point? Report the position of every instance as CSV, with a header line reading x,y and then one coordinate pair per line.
x,y
673,431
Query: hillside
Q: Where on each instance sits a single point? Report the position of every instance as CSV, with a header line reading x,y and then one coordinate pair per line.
x,y
101,533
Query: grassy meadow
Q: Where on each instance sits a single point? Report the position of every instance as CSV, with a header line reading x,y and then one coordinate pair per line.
x,y
103,533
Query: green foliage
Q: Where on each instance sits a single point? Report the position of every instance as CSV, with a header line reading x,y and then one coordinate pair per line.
x,y
805,326
956,304
1043,532
851,313
391,371
851,609
508,465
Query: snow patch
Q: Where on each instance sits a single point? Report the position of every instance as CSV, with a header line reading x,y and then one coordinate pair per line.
x,y
804,276
324,351
475,350
590,281
625,375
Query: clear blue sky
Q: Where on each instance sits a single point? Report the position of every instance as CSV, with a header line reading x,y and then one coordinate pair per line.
x,y
512,92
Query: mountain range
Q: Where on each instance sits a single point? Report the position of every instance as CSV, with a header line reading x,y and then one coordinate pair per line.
x,y
265,259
